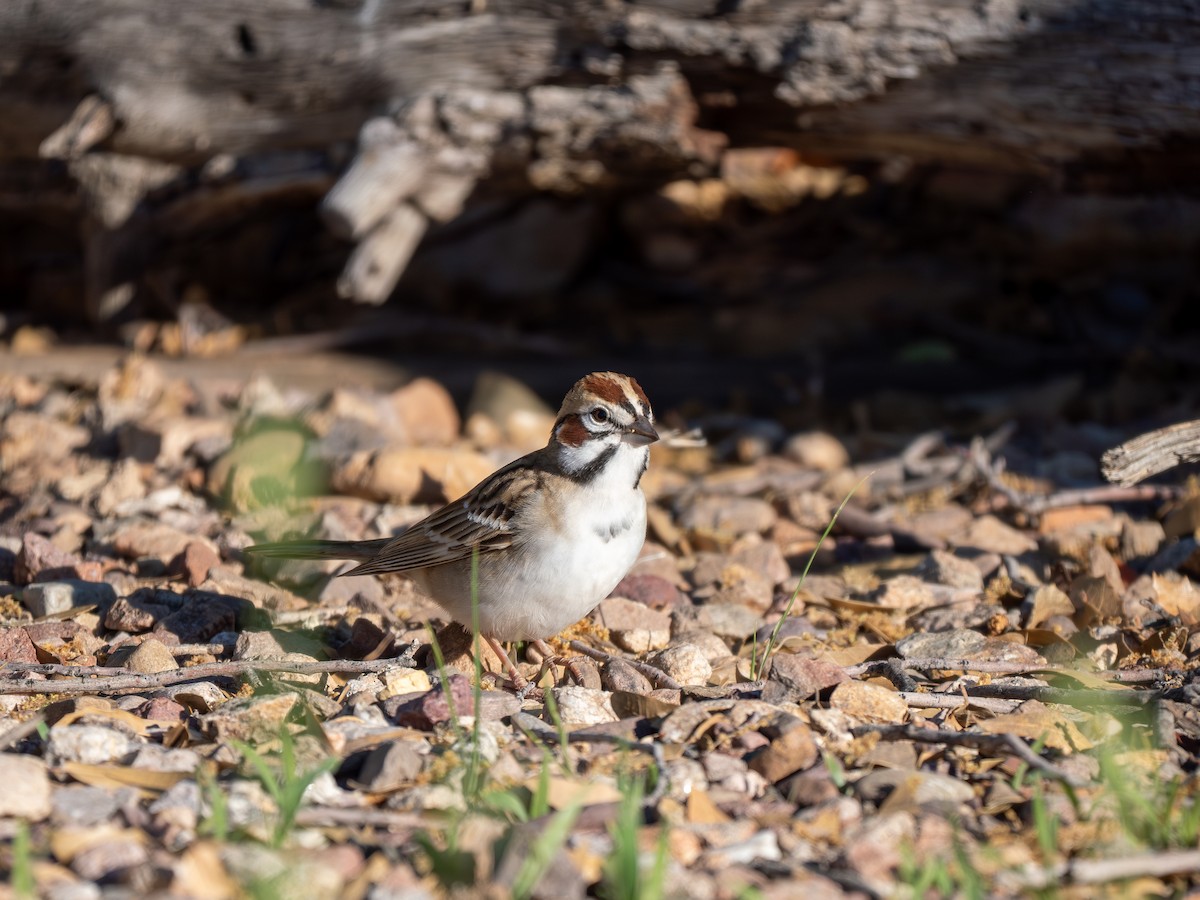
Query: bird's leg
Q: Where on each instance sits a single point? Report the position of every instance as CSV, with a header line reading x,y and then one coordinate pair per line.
x,y
522,687
550,658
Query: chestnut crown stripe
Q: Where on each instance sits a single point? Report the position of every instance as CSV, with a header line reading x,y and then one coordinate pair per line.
x,y
619,390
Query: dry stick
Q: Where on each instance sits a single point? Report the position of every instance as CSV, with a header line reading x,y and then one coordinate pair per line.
x,y
988,743
917,700
659,677
1102,871
81,680
993,667
1082,698
1151,453
327,817
1035,504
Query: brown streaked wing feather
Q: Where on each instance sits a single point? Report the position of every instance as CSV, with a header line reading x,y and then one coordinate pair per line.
x,y
480,519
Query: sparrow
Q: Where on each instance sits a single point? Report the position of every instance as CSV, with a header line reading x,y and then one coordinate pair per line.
x,y
552,532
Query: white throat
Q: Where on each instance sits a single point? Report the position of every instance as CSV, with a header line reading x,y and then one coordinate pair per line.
x,y
604,464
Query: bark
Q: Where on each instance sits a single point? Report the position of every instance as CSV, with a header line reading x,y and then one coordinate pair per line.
x,y
170,119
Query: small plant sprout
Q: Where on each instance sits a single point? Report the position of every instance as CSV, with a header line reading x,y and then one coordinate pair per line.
x,y
287,785
758,663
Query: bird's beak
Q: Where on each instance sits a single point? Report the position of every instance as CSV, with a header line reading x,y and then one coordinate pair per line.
x,y
640,433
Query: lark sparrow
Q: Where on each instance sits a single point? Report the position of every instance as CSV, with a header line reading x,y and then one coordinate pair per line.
x,y
555,531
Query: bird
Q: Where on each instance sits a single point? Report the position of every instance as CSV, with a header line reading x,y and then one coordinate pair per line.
x,y
541,541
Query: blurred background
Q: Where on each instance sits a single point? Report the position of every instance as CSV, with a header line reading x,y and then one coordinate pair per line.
x,y
871,216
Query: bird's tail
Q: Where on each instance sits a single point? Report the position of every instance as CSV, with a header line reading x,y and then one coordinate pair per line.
x,y
320,549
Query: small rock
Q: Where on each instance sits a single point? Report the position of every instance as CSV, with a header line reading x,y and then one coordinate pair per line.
x,y
26,793
904,592
731,621
943,567
432,707
194,562
725,515
740,586
83,806
685,663
251,719
801,677
124,484
15,646
989,533
142,539
202,616
958,644
1069,518
40,560
411,474
400,680
618,675
868,702
1141,540
134,615
650,590
789,753
764,559
389,767
90,744
713,648
633,626
163,709
109,858
151,656
32,437
817,450
426,413
584,706
47,598
918,791
258,645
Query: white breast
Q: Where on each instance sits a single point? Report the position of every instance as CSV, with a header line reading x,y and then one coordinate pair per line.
x,y
560,571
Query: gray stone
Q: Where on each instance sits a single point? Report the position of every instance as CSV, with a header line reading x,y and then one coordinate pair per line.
x,y
389,767
151,656
685,663
583,706
26,793
947,645
943,567
48,598
91,744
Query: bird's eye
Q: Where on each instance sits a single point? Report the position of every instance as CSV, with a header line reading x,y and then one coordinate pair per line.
x,y
599,415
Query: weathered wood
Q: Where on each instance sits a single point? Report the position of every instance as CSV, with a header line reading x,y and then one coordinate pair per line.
x,y
1151,453
571,97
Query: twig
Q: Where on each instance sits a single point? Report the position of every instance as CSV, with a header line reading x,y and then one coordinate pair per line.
x,y
85,680
1102,871
1082,698
993,667
658,676
1035,504
21,730
918,700
893,671
988,743
327,817
1151,453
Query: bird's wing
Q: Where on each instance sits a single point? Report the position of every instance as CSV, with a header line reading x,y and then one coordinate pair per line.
x,y
482,520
